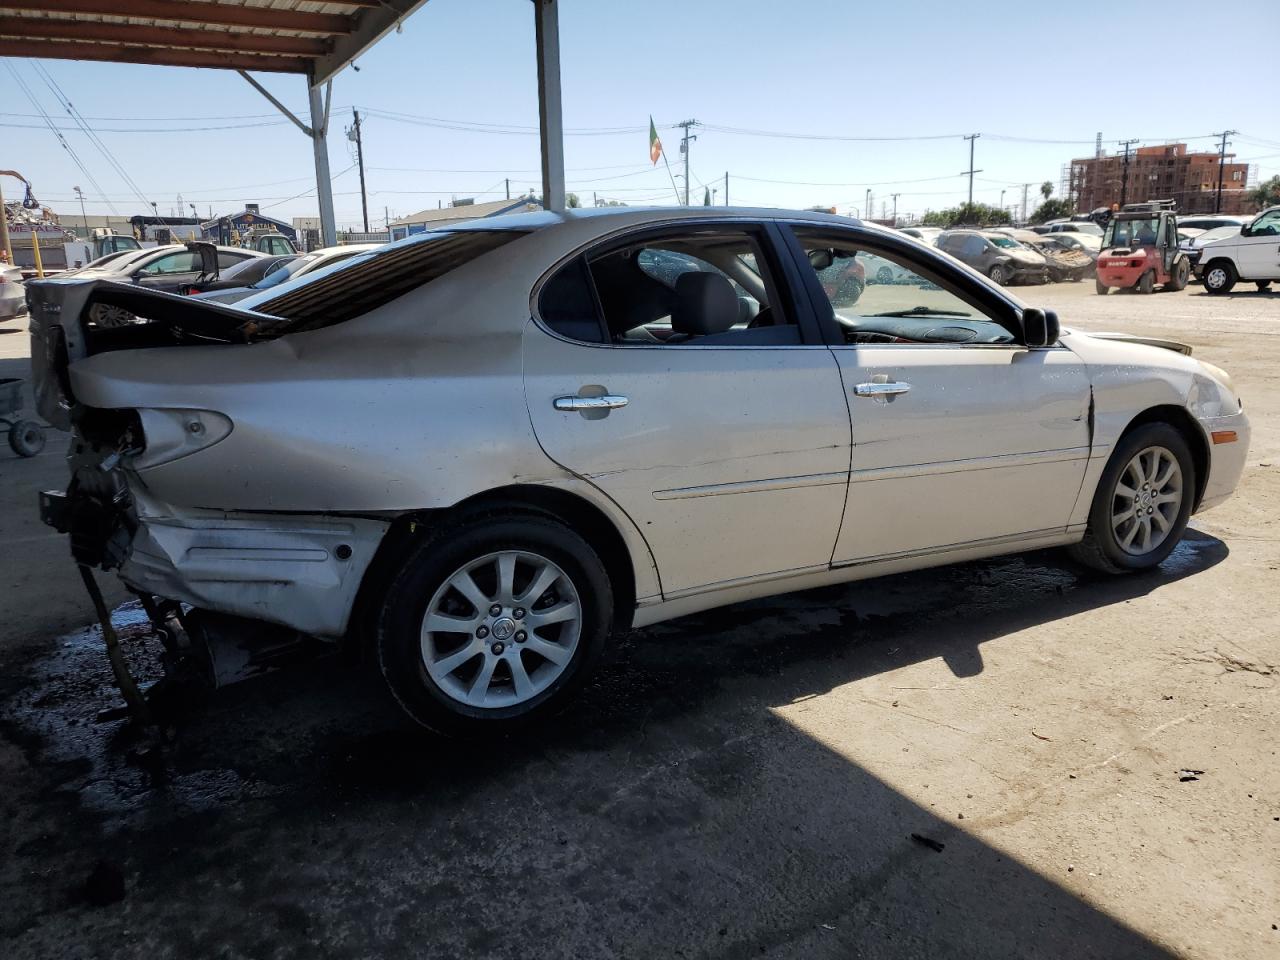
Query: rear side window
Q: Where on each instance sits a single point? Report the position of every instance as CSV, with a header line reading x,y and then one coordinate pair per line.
x,y
227,259
389,273
568,306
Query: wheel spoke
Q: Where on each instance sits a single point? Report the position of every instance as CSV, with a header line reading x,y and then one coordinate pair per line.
x,y
480,685
446,665
1164,478
1161,521
1121,517
539,585
520,677
1145,524
506,577
552,651
1167,498
443,623
1125,491
565,610
463,583
1128,537
1136,468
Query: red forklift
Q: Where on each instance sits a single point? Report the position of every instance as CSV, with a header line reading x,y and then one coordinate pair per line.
x,y
1140,250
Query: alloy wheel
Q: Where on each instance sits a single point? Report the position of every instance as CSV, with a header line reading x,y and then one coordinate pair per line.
x,y
1146,501
501,629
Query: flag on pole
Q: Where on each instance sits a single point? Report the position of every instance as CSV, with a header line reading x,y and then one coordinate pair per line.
x,y
655,145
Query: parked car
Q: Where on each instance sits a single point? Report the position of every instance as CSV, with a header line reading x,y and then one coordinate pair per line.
x,y
1088,242
169,268
926,235
242,274
1212,221
1064,261
1251,255
13,295
996,255
479,451
1076,226
299,266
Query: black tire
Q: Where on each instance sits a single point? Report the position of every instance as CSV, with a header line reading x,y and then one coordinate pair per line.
x,y
1263,285
430,565
1181,276
1100,548
26,438
1146,283
884,275
999,274
1219,277
1101,287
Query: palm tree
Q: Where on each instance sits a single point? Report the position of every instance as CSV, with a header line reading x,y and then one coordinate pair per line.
x,y
1046,188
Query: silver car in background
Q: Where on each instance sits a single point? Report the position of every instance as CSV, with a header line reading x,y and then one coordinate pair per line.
x,y
475,453
13,295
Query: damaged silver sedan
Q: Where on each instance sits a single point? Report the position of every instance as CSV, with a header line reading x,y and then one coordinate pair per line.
x,y
477,452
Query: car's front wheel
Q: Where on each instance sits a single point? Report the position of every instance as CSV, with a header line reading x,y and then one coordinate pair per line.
x,y
493,623
999,274
1142,502
1220,277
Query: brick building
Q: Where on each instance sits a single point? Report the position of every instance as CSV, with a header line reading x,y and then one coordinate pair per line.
x,y
1160,173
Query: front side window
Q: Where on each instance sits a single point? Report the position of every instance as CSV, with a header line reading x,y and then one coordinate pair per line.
x,y
703,286
1266,225
183,261
913,309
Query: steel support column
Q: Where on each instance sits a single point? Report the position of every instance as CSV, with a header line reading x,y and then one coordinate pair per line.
x,y
324,183
550,121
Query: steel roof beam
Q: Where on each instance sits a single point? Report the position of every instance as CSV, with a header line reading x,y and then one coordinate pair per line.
x,y
221,14
169,57
45,28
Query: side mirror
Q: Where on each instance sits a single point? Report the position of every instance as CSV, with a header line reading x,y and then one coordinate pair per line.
x,y
1040,328
821,259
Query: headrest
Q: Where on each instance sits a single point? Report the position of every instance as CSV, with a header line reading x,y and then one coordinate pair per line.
x,y
705,304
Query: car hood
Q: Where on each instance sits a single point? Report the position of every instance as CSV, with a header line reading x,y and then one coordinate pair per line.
x,y
1174,345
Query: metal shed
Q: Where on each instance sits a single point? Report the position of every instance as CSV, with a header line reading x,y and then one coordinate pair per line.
x,y
313,38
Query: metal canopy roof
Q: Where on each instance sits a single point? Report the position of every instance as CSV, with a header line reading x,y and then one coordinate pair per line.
x,y
312,37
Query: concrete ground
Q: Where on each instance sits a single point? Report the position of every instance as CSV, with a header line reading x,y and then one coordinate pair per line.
x,y
744,783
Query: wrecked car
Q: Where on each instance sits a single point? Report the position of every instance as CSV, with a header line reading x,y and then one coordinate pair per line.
x,y
996,255
1064,262
476,453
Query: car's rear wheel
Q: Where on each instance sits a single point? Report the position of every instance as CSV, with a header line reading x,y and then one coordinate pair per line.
x,y
999,274
1220,277
494,623
1147,282
1101,287
1142,503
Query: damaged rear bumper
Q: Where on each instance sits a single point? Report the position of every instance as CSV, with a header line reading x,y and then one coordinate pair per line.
x,y
301,572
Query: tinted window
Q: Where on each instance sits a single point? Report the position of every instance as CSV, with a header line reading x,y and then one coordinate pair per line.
x,y
973,246
183,261
568,304
227,259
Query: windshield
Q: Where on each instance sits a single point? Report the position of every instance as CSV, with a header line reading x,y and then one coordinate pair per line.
x,y
1008,243
1132,233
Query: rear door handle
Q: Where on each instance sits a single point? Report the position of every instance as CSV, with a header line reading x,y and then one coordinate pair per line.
x,y
882,390
607,402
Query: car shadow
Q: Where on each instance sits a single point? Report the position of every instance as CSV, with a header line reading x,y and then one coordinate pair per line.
x,y
669,812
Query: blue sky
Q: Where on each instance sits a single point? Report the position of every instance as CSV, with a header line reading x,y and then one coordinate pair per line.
x,y
1055,72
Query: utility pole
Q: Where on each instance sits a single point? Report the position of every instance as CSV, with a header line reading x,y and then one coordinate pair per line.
x,y
508,179
1024,201
726,188
1124,174
684,149
354,134
866,203
84,217
1222,159
895,207
971,138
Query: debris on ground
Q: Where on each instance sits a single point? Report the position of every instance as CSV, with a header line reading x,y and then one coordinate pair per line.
x,y
1041,736
1185,775
929,842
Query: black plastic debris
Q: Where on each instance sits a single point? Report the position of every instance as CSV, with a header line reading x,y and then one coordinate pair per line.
x,y
1185,775
929,842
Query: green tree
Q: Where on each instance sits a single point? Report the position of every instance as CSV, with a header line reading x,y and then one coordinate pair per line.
x,y
1266,194
1051,210
1046,189
967,215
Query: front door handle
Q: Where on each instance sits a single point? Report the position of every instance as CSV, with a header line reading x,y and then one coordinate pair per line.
x,y
881,389
607,402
